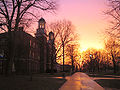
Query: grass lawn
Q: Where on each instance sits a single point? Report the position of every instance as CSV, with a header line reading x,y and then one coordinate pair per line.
x,y
107,81
113,84
39,82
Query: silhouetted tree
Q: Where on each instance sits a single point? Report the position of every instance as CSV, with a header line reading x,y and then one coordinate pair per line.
x,y
16,12
105,59
63,31
112,46
95,60
114,13
73,54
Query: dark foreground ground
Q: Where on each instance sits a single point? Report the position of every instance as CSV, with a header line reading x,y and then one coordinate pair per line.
x,y
54,82
39,82
109,81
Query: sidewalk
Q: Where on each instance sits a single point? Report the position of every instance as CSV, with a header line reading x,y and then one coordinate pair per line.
x,y
80,81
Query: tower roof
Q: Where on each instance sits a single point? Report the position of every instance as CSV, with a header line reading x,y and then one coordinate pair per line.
x,y
51,33
42,20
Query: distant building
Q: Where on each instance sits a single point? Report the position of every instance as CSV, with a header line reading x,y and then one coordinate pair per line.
x,y
32,54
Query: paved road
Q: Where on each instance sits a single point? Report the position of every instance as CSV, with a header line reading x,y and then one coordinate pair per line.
x,y
80,81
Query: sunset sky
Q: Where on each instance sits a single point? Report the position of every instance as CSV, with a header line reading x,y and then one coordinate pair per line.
x,y
88,18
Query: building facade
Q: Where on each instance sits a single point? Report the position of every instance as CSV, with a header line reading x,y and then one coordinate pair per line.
x,y
30,54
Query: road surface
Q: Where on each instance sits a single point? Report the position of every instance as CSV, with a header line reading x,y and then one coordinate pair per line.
x,y
80,81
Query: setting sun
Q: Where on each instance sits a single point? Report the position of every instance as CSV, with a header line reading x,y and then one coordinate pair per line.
x,y
86,45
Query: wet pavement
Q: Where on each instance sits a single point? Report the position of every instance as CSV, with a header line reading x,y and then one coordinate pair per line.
x,y
80,81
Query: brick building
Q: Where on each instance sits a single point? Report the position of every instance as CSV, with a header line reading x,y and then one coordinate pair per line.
x,y
31,54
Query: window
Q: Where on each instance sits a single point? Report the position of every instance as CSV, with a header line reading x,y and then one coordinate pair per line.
x,y
30,43
34,45
30,54
41,25
33,54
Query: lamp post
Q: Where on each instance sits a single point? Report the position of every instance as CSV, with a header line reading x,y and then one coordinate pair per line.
x,y
92,63
63,55
90,56
80,64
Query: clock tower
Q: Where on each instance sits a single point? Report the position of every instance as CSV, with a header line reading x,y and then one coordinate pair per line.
x,y
41,28
41,37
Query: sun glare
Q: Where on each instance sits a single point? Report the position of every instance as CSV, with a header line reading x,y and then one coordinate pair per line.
x,y
84,47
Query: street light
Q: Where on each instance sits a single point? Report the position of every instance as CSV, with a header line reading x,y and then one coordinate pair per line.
x,y
90,56
80,64
92,63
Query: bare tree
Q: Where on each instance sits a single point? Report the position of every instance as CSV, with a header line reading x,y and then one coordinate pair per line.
x,y
73,54
114,13
112,46
63,35
94,60
14,13
88,57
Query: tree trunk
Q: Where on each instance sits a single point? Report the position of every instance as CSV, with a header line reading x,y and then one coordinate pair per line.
x,y
72,64
63,55
114,63
9,44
